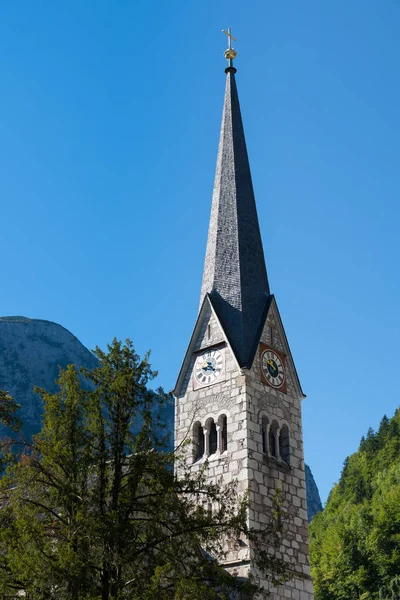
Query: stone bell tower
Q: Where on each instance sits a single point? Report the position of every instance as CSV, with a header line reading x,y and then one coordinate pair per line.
x,y
238,395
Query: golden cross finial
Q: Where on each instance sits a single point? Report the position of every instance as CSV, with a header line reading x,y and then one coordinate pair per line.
x,y
230,36
230,53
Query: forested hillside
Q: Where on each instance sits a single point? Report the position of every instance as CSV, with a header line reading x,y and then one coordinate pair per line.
x,y
355,541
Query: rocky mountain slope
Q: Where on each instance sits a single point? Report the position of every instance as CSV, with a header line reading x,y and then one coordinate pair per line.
x,y
314,504
31,353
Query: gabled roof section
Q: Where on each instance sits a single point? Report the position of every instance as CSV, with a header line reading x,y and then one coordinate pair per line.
x,y
235,275
192,344
258,330
288,352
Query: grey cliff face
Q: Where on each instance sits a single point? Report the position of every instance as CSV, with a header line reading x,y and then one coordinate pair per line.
x,y
314,503
31,353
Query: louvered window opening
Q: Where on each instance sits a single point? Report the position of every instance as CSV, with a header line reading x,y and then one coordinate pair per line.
x,y
213,441
272,447
284,444
224,435
199,443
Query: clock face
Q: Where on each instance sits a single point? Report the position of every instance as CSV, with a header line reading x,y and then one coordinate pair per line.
x,y
209,366
273,368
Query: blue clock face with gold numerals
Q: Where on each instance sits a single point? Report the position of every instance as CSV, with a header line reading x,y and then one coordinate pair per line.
x,y
273,368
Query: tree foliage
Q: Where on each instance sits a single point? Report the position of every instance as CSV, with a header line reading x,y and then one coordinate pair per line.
x,y
355,541
10,421
92,511
8,411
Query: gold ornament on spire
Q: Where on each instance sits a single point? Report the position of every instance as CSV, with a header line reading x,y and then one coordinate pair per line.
x,y
230,53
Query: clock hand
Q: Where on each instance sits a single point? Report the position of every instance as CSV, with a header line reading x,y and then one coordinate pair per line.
x,y
207,366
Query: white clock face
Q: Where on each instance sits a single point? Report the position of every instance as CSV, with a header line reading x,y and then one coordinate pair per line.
x,y
273,368
209,366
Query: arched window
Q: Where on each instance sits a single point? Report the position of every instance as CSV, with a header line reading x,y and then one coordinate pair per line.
x,y
223,432
272,450
284,446
213,439
264,433
272,440
198,439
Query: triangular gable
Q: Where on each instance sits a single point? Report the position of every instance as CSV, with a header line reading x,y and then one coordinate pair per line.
x,y
202,339
279,341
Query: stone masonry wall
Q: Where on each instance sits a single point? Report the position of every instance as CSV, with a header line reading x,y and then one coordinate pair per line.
x,y
244,399
268,474
227,397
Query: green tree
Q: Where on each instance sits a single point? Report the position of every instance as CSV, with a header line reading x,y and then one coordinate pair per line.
x,y
355,541
92,511
391,591
8,410
11,422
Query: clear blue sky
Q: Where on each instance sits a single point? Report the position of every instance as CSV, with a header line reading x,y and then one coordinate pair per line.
x,y
109,124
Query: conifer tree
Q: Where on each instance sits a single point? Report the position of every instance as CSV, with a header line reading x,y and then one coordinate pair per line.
x,y
8,410
92,511
354,541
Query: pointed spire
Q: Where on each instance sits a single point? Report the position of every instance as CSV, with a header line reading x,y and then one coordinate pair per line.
x,y
235,275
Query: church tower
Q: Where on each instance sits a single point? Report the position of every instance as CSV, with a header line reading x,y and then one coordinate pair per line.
x,y
238,395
